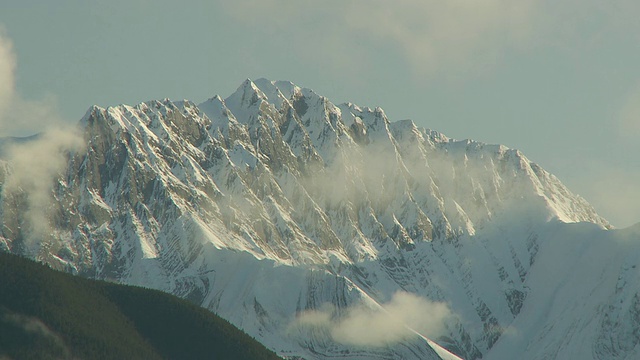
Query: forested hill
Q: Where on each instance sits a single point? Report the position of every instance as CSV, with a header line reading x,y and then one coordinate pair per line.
x,y
46,314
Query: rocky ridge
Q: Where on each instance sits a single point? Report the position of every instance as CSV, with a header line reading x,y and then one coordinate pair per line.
x,y
274,201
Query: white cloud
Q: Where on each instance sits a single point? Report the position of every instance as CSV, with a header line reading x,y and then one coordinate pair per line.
x,y
397,320
34,164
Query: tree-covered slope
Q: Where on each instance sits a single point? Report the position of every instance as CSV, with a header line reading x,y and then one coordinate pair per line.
x,y
46,314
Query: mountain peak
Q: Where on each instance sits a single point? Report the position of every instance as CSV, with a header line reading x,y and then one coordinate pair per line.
x,y
265,205
273,92
245,102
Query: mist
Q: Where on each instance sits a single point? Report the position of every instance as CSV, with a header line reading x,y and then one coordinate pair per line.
x,y
30,327
34,163
405,316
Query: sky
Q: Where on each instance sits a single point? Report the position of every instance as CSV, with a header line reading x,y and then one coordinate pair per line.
x,y
557,79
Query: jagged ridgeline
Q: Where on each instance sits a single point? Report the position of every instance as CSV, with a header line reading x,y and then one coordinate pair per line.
x,y
274,202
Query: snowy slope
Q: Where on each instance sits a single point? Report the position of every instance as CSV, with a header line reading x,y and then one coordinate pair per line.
x,y
583,302
275,203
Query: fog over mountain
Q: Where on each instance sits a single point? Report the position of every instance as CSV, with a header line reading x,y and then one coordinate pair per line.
x,y
328,231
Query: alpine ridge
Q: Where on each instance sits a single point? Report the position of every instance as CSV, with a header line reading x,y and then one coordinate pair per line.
x,y
289,215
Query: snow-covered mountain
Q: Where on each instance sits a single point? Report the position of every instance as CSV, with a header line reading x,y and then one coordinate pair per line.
x,y
291,216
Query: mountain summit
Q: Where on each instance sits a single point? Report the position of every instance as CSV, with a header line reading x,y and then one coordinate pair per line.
x,y
328,230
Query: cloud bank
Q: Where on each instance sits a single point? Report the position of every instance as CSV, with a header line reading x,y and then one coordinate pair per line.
x,y
401,318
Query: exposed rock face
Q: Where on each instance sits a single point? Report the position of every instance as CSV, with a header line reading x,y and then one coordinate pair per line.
x,y
275,201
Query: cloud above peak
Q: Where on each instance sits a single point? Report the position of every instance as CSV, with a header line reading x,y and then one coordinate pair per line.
x,y
453,38
429,35
435,34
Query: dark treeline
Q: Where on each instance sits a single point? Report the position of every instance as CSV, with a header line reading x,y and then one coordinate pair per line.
x,y
46,314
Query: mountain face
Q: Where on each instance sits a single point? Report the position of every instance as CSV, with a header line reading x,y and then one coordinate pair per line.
x,y
290,216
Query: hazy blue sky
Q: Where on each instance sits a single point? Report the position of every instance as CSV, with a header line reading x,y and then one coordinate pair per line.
x,y
557,79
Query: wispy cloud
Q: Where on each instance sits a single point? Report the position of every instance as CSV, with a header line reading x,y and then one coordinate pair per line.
x,y
33,164
453,38
434,35
362,325
29,327
430,35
